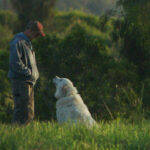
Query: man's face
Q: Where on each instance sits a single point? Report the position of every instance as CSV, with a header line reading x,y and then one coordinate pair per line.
x,y
34,34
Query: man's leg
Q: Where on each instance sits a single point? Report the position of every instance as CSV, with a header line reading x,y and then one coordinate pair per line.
x,y
23,102
30,104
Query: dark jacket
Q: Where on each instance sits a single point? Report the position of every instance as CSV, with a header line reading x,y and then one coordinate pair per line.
x,y
22,63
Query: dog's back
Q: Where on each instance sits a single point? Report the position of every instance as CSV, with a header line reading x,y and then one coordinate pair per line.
x,y
72,108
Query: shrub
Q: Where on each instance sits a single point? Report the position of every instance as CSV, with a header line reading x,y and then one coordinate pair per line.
x,y
62,20
109,83
82,56
9,19
6,103
6,36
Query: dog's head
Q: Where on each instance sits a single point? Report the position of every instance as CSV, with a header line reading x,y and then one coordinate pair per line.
x,y
64,87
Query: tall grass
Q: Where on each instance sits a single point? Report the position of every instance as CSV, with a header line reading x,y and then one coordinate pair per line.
x,y
115,135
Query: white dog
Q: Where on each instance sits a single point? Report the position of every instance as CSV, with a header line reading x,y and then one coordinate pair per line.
x,y
70,106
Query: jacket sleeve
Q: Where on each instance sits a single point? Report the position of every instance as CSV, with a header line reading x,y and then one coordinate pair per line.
x,y
16,64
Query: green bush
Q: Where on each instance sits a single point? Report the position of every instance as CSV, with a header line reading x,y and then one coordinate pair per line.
x,y
9,19
146,93
6,102
91,58
8,25
4,57
6,36
83,56
63,20
134,31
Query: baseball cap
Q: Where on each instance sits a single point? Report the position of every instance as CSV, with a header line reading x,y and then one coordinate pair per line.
x,y
36,26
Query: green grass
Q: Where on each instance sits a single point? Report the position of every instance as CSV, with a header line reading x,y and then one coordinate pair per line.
x,y
115,135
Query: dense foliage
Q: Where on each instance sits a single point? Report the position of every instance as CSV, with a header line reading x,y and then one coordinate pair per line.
x,y
28,10
106,57
96,7
134,32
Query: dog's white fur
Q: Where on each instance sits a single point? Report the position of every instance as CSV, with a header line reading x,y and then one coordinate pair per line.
x,y
70,106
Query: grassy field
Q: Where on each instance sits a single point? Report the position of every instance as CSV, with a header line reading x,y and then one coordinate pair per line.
x,y
115,135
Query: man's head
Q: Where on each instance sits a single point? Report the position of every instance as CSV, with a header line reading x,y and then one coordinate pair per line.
x,y
34,29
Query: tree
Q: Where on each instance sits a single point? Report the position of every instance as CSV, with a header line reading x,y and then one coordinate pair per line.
x,y
96,7
33,10
135,32
5,4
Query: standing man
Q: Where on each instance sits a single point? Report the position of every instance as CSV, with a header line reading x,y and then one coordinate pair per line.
x,y
23,72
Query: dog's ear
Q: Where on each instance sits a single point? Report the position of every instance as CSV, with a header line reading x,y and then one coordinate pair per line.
x,y
64,90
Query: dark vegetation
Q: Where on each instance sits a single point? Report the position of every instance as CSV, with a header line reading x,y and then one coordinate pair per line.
x,y
107,57
96,7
